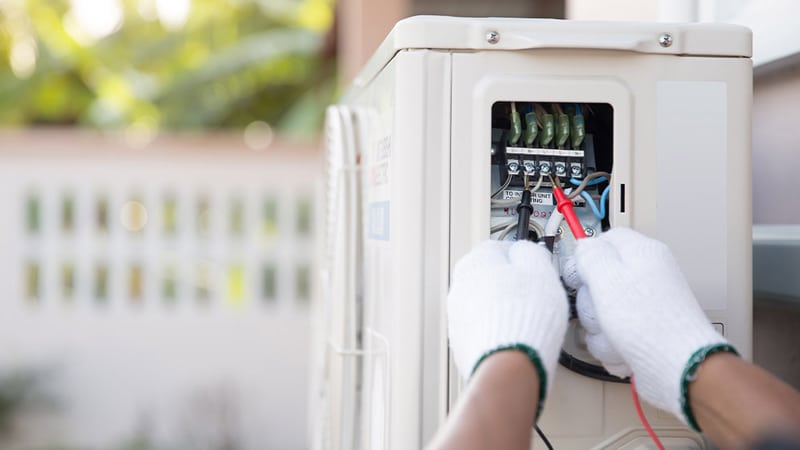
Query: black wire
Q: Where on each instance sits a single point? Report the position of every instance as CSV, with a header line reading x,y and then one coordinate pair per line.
x,y
586,369
544,438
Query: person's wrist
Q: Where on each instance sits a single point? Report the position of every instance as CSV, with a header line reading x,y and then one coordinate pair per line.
x,y
519,351
662,377
702,362
511,352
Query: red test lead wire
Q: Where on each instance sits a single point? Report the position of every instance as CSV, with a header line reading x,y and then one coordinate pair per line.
x,y
564,206
643,419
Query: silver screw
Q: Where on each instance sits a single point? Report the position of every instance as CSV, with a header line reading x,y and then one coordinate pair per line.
x,y
561,169
513,167
589,231
665,40
529,167
576,171
544,168
560,231
493,37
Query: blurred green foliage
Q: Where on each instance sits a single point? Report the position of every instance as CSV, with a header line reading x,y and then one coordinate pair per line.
x,y
20,390
224,63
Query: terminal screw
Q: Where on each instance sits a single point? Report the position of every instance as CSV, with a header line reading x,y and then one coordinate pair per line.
x,y
561,170
576,171
513,167
493,37
544,168
665,40
529,167
589,231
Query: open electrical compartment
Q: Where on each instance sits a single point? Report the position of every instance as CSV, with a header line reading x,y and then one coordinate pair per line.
x,y
536,144
540,142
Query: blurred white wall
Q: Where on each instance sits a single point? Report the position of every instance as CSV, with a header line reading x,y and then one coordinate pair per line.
x,y
776,148
191,332
636,10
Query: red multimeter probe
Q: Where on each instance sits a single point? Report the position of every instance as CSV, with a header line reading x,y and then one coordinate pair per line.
x,y
564,206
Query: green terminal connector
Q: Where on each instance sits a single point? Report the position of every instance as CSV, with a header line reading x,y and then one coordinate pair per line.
x,y
531,128
578,132
562,130
516,126
548,130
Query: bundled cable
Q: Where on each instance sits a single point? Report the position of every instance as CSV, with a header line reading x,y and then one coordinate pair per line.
x,y
600,212
590,180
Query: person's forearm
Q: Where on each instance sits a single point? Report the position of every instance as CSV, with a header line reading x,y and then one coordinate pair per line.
x,y
498,407
738,404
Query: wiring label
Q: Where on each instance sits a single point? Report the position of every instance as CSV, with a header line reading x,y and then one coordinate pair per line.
x,y
541,198
537,198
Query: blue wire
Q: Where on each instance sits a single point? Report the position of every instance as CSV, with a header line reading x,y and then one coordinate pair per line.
x,y
589,201
596,181
578,109
599,213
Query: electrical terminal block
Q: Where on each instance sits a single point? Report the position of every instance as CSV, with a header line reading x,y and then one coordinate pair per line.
x,y
563,163
540,140
560,168
545,168
529,167
575,170
513,167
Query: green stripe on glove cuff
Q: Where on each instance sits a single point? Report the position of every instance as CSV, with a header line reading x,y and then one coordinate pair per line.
x,y
689,375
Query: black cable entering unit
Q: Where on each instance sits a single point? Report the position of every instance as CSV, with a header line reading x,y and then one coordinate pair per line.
x,y
544,438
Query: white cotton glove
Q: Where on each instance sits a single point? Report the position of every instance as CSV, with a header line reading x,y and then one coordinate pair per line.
x,y
641,316
507,295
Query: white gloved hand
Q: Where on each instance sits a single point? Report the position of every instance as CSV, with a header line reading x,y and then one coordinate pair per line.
x,y
596,341
507,295
640,315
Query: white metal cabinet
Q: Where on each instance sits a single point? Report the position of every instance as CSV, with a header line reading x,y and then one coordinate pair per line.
x,y
681,150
